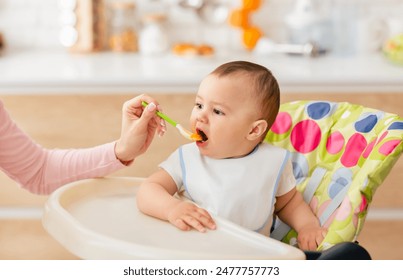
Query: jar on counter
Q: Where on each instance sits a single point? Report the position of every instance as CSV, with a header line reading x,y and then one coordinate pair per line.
x,y
306,24
122,27
153,37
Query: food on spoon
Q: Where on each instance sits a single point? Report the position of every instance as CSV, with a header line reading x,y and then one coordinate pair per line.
x,y
196,137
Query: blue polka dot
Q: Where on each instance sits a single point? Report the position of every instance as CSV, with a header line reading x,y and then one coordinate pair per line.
x,y
340,180
297,170
300,167
396,125
334,189
318,110
366,124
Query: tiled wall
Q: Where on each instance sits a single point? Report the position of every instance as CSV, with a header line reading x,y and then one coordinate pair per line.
x,y
35,23
29,23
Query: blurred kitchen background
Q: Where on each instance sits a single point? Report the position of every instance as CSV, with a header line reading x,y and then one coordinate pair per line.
x,y
340,27
67,66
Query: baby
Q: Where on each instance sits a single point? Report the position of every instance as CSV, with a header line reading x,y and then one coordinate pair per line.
x,y
231,173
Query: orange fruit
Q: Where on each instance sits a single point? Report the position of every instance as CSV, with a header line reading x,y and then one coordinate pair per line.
x,y
239,18
251,5
251,36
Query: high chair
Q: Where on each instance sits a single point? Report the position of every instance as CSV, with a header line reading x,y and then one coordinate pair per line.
x,y
99,219
341,153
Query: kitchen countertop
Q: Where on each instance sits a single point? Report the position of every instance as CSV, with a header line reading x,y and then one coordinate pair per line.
x,y
57,71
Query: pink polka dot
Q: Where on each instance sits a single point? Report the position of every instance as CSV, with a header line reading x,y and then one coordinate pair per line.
x,y
354,148
282,123
305,136
335,143
330,220
382,136
344,210
368,150
323,207
364,204
388,147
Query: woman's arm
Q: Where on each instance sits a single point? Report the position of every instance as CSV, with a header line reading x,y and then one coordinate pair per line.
x,y
41,171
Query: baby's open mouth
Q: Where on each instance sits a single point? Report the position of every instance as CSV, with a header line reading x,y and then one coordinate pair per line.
x,y
203,136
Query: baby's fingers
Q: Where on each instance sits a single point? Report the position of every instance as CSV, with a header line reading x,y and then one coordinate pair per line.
x,y
320,236
205,218
194,223
187,215
179,223
200,220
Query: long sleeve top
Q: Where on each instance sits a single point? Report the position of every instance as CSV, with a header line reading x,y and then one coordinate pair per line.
x,y
41,170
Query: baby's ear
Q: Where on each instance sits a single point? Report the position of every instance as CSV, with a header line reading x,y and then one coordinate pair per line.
x,y
258,129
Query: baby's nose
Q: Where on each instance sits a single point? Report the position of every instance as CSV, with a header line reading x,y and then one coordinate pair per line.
x,y
201,117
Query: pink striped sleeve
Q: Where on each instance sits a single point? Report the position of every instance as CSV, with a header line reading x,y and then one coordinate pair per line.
x,y
40,170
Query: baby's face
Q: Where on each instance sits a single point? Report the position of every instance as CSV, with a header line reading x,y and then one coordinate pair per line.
x,y
225,112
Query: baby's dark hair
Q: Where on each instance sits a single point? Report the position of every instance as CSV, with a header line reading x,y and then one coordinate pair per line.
x,y
263,84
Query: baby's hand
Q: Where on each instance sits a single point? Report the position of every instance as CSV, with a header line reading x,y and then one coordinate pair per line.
x,y
310,237
186,215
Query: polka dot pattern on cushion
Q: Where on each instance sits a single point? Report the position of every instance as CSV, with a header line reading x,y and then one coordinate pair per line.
x,y
357,146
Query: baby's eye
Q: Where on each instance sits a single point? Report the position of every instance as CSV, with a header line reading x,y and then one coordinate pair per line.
x,y
198,105
218,112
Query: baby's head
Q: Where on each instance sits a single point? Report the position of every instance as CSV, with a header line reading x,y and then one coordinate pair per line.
x,y
260,85
235,106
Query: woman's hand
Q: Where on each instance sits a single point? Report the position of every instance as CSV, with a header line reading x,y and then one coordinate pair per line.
x,y
139,126
185,216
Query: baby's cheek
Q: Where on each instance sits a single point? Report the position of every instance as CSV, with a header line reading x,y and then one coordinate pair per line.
x,y
192,118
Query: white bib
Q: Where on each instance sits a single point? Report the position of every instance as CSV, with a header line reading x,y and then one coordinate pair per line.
x,y
242,190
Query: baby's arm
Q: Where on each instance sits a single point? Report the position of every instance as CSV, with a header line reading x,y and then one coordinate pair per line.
x,y
294,211
155,198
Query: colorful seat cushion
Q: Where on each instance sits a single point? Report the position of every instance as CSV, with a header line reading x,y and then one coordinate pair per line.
x,y
341,153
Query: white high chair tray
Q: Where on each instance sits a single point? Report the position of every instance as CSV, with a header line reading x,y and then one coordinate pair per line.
x,y
99,219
